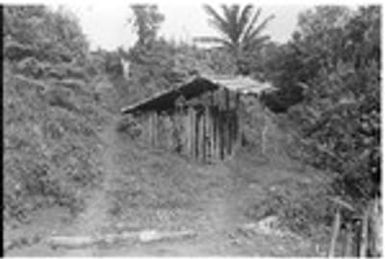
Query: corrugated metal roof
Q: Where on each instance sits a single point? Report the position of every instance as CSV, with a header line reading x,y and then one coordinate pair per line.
x,y
198,85
241,84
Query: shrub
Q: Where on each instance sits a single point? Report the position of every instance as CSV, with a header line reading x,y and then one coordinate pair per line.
x,y
14,50
60,97
129,126
30,67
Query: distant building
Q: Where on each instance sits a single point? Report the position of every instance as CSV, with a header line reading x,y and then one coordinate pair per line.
x,y
200,119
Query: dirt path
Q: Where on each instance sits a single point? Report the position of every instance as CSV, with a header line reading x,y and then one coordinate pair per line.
x,y
95,217
222,216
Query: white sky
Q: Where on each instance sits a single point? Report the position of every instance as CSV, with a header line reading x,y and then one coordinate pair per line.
x,y
106,24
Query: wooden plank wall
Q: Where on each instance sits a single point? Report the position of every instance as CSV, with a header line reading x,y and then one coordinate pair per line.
x,y
207,129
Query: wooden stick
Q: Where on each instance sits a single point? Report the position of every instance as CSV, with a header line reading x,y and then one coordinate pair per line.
x,y
336,228
193,136
364,235
212,136
348,241
376,228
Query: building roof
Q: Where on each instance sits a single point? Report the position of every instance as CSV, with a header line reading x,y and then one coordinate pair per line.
x,y
244,85
196,86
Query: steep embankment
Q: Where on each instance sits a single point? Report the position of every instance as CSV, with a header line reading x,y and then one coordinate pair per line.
x,y
51,151
141,188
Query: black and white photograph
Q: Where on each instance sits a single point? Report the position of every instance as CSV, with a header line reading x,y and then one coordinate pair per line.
x,y
192,129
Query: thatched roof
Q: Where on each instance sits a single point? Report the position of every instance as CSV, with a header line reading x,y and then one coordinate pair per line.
x,y
196,86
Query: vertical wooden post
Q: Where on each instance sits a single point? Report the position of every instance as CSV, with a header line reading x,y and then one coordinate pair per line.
x,y
240,127
150,127
155,129
203,137
144,120
227,99
375,226
221,137
187,133
212,136
225,134
336,228
207,133
160,129
172,130
198,135
201,132
348,241
215,135
218,135
364,235
231,137
193,126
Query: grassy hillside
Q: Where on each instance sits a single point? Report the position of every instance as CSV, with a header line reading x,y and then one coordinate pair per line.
x,y
51,143
51,115
158,187
66,145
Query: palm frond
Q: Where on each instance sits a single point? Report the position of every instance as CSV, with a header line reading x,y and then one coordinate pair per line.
x,y
258,30
244,18
256,43
231,15
216,20
236,25
252,23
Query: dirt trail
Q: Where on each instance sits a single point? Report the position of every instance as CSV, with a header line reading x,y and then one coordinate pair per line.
x,y
222,213
95,217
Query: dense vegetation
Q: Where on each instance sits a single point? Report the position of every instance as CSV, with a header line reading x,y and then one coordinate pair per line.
x,y
328,77
328,102
336,54
50,114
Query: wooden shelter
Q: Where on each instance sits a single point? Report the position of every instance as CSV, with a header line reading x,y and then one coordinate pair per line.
x,y
201,118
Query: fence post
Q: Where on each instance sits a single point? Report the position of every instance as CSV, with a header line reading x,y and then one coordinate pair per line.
x,y
364,234
337,225
336,228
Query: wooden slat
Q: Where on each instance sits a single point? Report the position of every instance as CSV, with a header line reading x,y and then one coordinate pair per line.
x,y
224,135
202,143
187,131
227,99
228,133
336,229
348,241
207,133
202,137
364,235
193,127
150,127
155,129
221,139
231,132
215,135
172,128
239,121
212,134
199,136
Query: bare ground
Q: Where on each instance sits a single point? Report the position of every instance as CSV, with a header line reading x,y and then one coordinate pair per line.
x,y
217,219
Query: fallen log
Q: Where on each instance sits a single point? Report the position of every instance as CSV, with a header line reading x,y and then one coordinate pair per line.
x,y
139,236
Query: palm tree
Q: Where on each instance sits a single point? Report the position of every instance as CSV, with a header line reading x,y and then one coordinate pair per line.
x,y
239,32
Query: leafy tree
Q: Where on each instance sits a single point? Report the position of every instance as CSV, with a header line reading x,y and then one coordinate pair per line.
x,y
239,31
146,21
336,54
157,64
46,35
